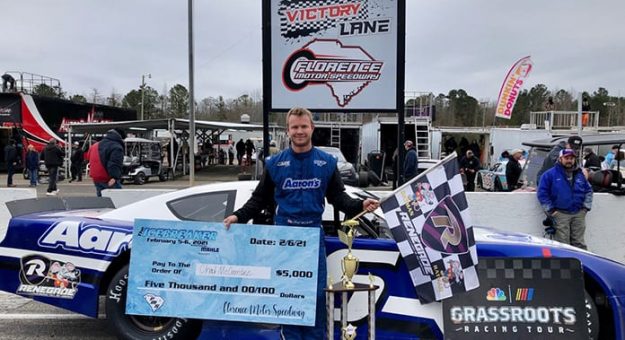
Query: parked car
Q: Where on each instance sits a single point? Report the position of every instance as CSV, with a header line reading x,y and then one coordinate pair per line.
x,y
348,172
610,180
96,238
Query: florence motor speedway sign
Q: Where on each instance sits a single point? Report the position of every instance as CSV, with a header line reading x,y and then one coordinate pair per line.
x,y
333,55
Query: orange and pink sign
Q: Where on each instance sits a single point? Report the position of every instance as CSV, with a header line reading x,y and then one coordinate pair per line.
x,y
511,87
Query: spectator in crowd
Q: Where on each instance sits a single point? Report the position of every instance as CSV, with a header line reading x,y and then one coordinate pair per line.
x,y
273,195
609,157
513,170
273,149
53,157
240,146
106,158
566,196
469,166
11,158
76,159
450,145
504,156
32,165
230,152
591,160
552,158
411,161
249,150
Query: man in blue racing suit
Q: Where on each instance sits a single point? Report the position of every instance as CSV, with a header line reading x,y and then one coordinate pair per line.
x,y
294,185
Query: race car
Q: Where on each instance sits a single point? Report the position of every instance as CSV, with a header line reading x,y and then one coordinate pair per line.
x,y
493,179
68,252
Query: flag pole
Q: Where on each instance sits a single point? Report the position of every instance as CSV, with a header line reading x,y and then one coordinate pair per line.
x,y
427,171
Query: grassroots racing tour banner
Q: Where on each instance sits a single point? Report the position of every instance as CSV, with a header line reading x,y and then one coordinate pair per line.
x,y
333,54
521,298
511,87
429,219
200,270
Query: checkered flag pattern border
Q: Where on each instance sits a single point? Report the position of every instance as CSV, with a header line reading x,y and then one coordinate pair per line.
x,y
436,273
530,268
299,29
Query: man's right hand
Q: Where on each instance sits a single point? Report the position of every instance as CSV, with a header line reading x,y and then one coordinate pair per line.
x,y
229,220
111,182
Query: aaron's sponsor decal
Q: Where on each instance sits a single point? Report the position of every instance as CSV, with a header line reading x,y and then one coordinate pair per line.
x,y
86,238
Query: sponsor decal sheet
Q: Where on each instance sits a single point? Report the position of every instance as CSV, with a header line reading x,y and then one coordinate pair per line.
x,y
200,270
429,219
333,54
521,298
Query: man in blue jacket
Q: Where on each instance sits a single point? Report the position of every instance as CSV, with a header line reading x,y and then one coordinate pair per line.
x,y
566,196
293,186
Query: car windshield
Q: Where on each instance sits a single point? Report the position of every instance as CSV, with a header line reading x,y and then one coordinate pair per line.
x,y
336,153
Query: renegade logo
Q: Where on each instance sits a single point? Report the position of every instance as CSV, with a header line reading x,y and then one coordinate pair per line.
x,y
293,184
345,70
71,235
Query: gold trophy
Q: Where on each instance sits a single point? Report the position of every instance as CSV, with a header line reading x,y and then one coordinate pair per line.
x,y
349,332
349,263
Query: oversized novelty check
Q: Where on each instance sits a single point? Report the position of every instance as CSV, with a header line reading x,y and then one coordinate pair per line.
x,y
200,270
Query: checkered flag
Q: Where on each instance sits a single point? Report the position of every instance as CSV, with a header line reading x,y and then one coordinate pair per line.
x,y
429,219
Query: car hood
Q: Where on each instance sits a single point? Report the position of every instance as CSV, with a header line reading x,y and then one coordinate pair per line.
x,y
344,166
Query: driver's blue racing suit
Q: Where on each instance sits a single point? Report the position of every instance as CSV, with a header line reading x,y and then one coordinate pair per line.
x,y
293,186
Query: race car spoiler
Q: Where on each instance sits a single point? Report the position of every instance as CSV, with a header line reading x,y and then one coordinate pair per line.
x,y
33,205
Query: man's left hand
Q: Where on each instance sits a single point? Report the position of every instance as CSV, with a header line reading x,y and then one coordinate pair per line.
x,y
370,204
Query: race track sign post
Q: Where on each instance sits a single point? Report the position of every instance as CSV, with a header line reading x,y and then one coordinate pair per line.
x,y
199,270
520,298
334,55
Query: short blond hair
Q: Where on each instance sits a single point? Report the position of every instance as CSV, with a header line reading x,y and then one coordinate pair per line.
x,y
299,111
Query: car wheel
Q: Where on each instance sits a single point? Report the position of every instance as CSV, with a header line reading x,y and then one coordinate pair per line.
x,y
162,177
479,182
140,327
592,316
363,179
374,179
140,178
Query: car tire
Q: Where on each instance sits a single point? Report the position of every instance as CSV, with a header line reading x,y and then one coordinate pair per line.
x,y
162,177
479,182
137,327
140,178
374,179
363,179
592,316
245,177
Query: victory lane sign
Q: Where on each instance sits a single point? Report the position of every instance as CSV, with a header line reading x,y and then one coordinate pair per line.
x,y
200,270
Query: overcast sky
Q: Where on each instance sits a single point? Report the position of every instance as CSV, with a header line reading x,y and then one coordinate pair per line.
x,y
468,44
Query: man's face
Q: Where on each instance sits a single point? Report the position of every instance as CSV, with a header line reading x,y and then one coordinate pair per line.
x,y
518,156
300,130
567,161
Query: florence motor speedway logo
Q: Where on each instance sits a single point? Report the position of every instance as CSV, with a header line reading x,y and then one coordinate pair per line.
x,y
346,70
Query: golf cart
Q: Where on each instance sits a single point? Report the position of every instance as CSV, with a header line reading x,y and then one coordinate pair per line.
x,y
142,160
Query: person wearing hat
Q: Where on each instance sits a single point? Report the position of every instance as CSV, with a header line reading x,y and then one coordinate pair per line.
x,y
411,161
76,162
513,169
591,160
469,166
566,196
105,161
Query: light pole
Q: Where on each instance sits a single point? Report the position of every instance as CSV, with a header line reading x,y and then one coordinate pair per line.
x,y
609,105
484,104
143,90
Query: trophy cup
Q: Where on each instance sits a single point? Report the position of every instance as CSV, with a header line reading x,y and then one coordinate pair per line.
x,y
349,263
